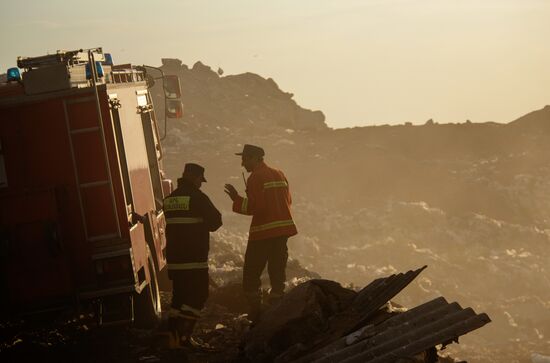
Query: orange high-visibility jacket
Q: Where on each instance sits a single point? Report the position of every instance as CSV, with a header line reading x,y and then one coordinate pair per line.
x,y
268,202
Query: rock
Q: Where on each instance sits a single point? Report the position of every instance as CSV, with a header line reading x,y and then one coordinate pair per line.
x,y
304,312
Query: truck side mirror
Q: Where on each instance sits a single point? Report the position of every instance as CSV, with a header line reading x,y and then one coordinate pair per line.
x,y
174,109
172,89
150,80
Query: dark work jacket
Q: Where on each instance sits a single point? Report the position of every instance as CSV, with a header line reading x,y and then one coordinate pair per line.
x,y
190,217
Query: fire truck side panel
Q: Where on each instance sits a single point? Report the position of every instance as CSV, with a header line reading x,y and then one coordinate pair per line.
x,y
114,158
156,225
142,197
37,257
90,162
46,255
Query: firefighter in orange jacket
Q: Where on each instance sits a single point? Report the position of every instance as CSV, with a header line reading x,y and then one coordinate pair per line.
x,y
268,201
190,217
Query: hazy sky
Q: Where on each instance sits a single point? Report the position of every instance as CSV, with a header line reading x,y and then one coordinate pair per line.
x,y
359,61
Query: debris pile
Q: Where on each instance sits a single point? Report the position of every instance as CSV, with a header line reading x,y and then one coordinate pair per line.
x,y
319,321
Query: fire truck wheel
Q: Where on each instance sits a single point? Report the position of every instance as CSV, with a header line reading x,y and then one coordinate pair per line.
x,y
147,306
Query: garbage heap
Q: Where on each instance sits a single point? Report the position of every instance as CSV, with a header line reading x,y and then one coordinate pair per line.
x,y
321,321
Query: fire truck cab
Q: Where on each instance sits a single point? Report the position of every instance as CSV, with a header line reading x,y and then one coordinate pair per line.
x,y
81,188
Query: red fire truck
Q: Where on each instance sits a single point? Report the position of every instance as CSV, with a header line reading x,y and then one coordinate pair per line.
x,y
81,187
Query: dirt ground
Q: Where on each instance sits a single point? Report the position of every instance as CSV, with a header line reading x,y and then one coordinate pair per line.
x,y
67,338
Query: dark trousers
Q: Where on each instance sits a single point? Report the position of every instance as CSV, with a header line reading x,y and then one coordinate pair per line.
x,y
190,288
274,253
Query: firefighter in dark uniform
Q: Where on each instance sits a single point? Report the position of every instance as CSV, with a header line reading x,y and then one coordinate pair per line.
x,y
190,217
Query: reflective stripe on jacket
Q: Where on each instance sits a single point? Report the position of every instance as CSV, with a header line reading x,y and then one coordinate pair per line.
x,y
183,220
268,201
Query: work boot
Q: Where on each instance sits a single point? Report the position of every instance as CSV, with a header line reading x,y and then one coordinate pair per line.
x,y
171,336
254,307
274,298
254,314
185,328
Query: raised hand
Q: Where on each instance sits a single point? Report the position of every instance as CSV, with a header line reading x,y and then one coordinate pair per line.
x,y
231,191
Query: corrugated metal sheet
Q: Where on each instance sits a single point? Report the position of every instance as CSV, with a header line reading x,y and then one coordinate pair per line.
x,y
404,335
371,330
373,296
368,302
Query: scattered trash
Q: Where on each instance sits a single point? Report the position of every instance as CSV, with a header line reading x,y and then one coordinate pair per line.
x,y
539,358
149,359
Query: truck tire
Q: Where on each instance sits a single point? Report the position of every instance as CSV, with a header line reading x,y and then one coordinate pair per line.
x,y
147,305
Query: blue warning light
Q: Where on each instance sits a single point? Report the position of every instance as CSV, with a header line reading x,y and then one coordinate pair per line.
x,y
108,59
98,67
13,74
